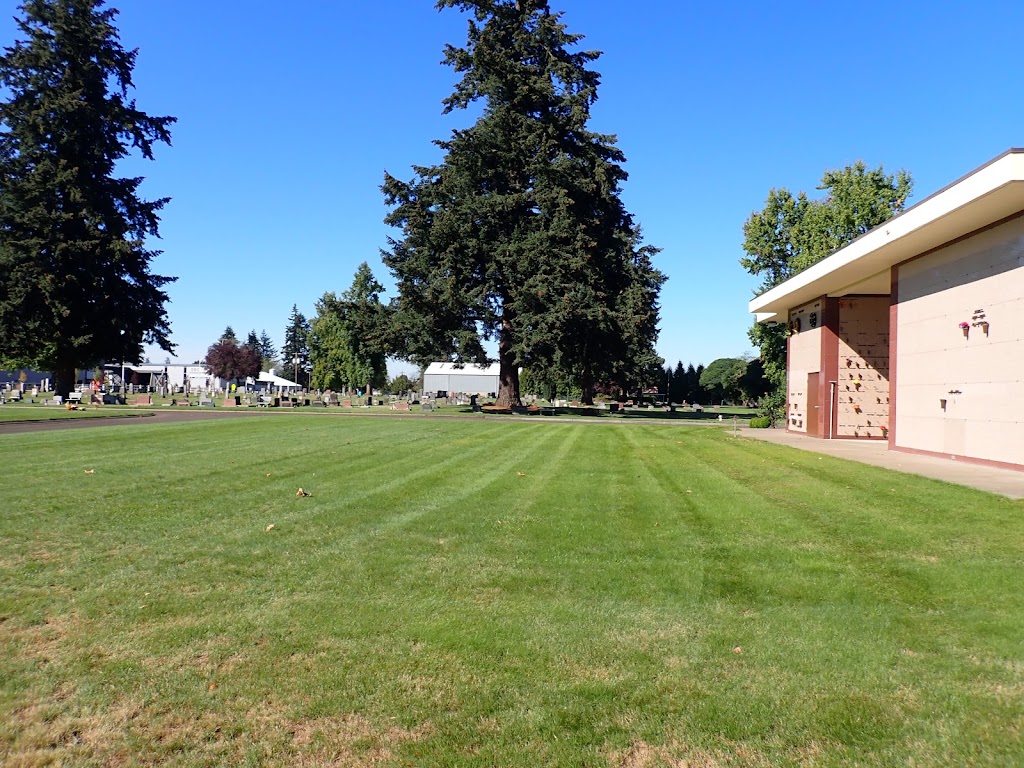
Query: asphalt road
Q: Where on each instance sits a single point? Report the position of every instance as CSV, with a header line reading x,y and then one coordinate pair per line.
x,y
148,417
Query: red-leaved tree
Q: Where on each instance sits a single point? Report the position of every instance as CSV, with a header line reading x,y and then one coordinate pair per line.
x,y
231,362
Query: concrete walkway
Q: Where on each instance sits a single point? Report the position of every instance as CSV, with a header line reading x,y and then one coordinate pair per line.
x,y
1006,482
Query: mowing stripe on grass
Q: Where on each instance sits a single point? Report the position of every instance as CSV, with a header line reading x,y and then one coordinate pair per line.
x,y
429,605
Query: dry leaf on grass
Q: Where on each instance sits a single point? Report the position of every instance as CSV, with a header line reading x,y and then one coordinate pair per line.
x,y
521,474
270,527
301,492
90,471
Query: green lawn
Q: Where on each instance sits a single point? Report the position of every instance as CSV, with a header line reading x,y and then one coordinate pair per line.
x,y
50,412
497,593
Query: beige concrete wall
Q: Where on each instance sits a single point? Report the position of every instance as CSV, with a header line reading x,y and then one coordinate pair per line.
x,y
862,400
956,394
804,350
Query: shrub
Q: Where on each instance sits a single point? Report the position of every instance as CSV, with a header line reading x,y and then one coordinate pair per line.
x,y
772,406
760,422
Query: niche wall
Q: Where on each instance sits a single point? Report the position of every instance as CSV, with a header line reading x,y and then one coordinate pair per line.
x,y
804,358
862,407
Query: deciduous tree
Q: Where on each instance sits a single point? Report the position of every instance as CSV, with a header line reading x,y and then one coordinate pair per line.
x,y
350,334
329,345
753,384
75,280
792,233
720,380
400,384
231,362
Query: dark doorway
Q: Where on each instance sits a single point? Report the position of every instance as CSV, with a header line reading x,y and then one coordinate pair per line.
x,y
813,404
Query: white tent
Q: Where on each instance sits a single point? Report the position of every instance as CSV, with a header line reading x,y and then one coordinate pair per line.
x,y
270,380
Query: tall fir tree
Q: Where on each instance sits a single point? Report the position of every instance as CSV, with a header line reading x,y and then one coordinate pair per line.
x,y
519,235
677,393
268,352
75,280
699,393
296,344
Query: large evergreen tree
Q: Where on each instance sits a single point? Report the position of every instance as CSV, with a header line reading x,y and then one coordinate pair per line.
x,y
75,284
296,344
268,352
678,391
519,235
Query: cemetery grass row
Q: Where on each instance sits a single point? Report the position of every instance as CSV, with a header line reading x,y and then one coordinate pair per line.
x,y
38,410
469,593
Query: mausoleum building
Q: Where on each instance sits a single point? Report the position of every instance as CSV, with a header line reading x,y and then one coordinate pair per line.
x,y
914,332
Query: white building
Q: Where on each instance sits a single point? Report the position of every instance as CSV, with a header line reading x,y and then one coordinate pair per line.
x,y
468,379
914,333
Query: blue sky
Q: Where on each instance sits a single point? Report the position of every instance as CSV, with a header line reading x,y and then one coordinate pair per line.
x,y
289,114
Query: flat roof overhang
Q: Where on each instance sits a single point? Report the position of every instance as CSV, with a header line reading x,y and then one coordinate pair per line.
x,y
993,192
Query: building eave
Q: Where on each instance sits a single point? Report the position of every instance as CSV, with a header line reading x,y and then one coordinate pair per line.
x,y
987,195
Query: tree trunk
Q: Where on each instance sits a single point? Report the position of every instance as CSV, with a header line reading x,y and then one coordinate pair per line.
x,y
63,380
508,375
587,385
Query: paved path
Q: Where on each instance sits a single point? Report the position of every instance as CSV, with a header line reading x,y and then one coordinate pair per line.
x,y
1006,482
141,417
